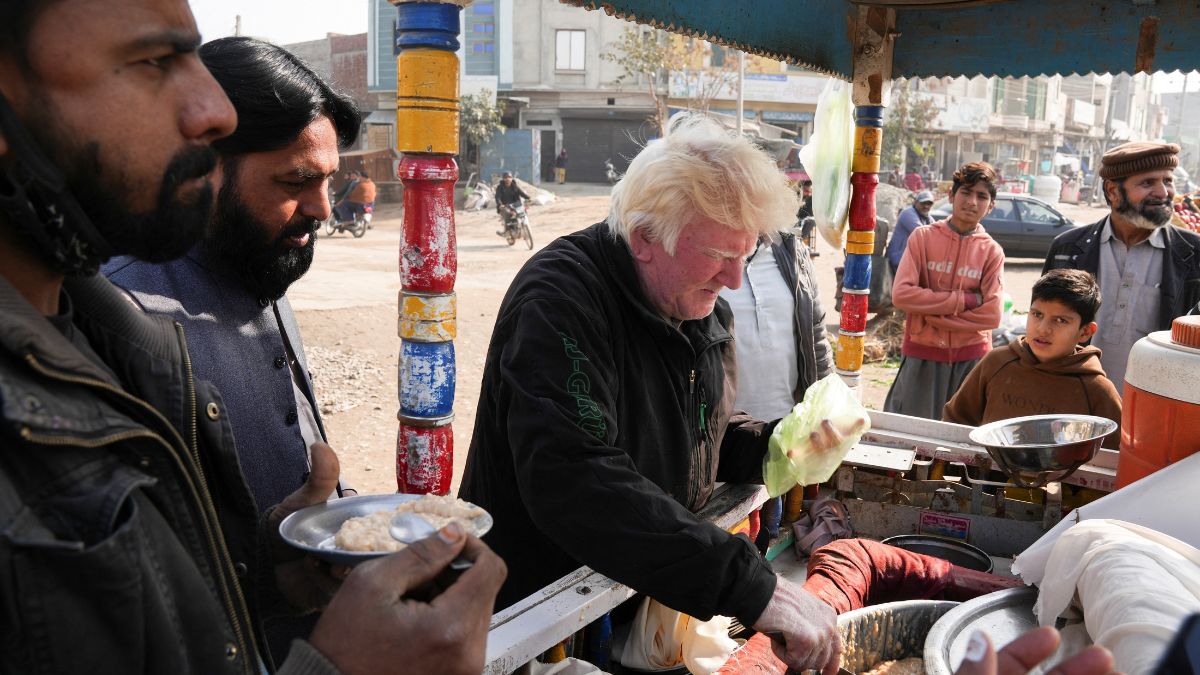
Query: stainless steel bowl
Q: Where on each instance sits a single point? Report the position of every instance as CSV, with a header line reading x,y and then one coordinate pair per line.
x,y
312,529
1003,615
1042,449
893,630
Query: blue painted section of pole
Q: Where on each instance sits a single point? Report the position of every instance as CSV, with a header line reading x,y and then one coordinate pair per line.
x,y
429,25
427,373
857,275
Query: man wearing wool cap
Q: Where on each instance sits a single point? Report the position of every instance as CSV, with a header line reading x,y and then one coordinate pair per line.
x,y
1148,270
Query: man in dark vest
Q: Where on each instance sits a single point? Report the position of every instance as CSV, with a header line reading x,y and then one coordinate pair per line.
x,y
228,292
1148,270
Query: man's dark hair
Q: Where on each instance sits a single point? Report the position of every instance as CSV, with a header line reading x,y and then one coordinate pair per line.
x,y
276,96
364,174
16,20
1076,289
972,173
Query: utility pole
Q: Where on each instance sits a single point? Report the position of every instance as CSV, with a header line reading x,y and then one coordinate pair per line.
x,y
1182,108
741,102
237,25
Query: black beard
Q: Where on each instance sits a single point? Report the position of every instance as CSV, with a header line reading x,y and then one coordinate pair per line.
x,y
241,244
1148,215
168,231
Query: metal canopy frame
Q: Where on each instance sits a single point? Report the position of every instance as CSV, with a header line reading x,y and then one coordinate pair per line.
x,y
943,39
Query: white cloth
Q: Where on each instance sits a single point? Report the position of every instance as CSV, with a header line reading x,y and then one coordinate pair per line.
x,y
1134,587
568,666
764,325
305,417
1131,289
1166,501
661,638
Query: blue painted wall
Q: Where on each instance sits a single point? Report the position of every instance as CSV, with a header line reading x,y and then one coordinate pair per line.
x,y
515,150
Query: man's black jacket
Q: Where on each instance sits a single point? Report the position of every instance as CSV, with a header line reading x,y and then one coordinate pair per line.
x,y
509,194
1180,286
602,427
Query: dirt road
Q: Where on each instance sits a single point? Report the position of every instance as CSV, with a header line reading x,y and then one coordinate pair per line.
x,y
346,307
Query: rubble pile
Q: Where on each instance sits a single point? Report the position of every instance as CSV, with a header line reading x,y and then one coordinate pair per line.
x,y
344,379
885,336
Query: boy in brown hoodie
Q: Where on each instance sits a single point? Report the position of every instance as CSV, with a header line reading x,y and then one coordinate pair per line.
x,y
1047,371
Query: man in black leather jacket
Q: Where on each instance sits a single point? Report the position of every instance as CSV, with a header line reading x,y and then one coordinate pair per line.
x,y
128,539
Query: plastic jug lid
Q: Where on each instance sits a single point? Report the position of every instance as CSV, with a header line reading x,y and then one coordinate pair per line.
x,y
1185,330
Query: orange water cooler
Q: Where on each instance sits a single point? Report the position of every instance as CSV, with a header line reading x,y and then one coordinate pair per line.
x,y
1160,419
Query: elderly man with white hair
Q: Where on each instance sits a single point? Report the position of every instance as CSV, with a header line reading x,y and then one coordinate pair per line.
x,y
606,412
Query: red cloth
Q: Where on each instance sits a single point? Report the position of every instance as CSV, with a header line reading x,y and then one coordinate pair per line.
x,y
912,181
853,573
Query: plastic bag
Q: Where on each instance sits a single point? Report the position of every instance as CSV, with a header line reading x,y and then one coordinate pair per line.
x,y
791,459
827,159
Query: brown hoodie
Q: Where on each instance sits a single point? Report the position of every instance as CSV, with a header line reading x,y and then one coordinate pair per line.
x,y
1013,383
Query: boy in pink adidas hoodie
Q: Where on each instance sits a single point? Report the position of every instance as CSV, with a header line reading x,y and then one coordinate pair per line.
x,y
950,283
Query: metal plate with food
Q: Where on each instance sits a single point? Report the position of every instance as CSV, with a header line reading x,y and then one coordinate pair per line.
x,y
354,529
1003,615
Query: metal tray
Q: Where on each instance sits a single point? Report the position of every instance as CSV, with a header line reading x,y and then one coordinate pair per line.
x,y
1003,615
312,529
952,550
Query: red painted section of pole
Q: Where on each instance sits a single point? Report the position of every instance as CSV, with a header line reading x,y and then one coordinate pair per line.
x,y
862,202
425,460
428,252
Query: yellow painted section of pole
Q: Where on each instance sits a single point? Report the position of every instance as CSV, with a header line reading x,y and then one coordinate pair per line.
x,y
856,237
428,318
861,249
427,101
868,149
849,352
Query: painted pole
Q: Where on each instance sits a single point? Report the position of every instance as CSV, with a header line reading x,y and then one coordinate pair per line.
x,y
427,138
874,38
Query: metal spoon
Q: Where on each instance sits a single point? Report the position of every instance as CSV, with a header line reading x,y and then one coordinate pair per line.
x,y
409,527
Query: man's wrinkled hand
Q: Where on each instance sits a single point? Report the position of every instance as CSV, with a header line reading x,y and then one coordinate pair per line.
x,y
803,629
305,582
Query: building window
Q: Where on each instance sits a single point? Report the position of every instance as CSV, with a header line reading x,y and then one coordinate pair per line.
x,y
1035,99
479,27
716,58
569,50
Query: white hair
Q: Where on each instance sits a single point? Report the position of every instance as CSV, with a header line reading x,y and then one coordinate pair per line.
x,y
700,169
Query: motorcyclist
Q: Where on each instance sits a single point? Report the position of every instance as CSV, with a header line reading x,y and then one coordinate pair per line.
x,y
508,194
359,193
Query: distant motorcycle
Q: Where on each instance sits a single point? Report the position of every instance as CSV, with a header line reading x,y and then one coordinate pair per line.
x,y
610,172
357,227
516,224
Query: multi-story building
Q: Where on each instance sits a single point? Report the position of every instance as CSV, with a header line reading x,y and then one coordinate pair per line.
x,y
545,61
1041,125
1183,127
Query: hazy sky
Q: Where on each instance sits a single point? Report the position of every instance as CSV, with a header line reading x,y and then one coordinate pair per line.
x,y
280,21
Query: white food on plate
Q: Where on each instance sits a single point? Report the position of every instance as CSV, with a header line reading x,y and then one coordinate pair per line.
x,y
370,533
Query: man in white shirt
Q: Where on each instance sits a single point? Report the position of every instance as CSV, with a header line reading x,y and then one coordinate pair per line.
x,y
779,337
